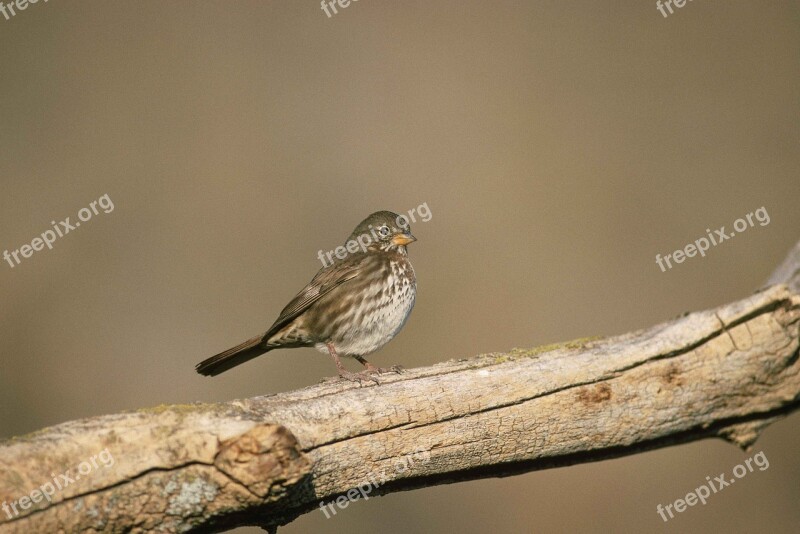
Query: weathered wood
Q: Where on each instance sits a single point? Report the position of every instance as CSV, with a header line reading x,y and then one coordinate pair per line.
x,y
726,372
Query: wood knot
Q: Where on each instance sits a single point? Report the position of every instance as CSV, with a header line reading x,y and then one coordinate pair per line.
x,y
594,395
266,459
672,375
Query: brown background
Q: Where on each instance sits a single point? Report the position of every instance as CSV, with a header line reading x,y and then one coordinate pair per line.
x,y
559,145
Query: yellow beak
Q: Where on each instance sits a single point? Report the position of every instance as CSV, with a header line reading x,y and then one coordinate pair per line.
x,y
403,239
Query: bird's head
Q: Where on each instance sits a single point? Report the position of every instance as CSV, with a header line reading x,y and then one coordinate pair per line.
x,y
383,230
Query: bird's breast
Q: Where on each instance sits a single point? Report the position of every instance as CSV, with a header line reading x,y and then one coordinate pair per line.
x,y
386,299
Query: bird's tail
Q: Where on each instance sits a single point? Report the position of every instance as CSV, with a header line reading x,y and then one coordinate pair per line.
x,y
232,357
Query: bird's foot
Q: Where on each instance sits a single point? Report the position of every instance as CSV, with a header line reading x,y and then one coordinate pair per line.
x,y
381,370
362,377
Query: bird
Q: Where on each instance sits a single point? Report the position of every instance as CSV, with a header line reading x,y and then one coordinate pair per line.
x,y
352,307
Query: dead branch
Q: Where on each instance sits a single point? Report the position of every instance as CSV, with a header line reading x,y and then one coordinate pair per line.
x,y
727,372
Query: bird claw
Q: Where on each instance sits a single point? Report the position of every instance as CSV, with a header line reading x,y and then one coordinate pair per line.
x,y
358,377
398,369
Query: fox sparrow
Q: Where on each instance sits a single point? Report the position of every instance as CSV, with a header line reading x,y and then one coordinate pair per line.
x,y
352,307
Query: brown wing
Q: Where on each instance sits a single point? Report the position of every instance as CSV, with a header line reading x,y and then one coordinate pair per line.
x,y
325,281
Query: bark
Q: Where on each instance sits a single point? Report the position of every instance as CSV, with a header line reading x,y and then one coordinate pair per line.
x,y
726,372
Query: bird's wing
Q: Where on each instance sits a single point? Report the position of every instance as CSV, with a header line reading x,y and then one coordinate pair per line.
x,y
325,281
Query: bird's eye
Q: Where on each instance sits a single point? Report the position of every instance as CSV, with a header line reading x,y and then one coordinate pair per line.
x,y
383,231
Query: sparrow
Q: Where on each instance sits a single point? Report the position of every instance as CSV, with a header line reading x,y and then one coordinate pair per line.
x,y
352,307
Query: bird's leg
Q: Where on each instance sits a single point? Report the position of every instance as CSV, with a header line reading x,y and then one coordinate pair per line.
x,y
378,370
344,373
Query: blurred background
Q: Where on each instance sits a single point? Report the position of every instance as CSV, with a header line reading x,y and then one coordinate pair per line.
x,y
558,145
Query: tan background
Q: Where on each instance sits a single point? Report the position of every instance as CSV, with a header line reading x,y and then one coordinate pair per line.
x,y
559,145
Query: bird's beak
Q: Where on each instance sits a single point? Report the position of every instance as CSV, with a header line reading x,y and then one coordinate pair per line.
x,y
403,239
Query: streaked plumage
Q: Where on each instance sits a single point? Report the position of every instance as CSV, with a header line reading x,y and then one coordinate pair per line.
x,y
350,308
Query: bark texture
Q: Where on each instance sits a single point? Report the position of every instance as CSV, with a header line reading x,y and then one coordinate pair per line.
x,y
726,372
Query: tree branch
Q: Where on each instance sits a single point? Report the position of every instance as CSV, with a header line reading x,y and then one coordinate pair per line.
x,y
727,372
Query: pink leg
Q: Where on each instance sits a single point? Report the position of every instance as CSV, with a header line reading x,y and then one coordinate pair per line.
x,y
344,373
377,370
